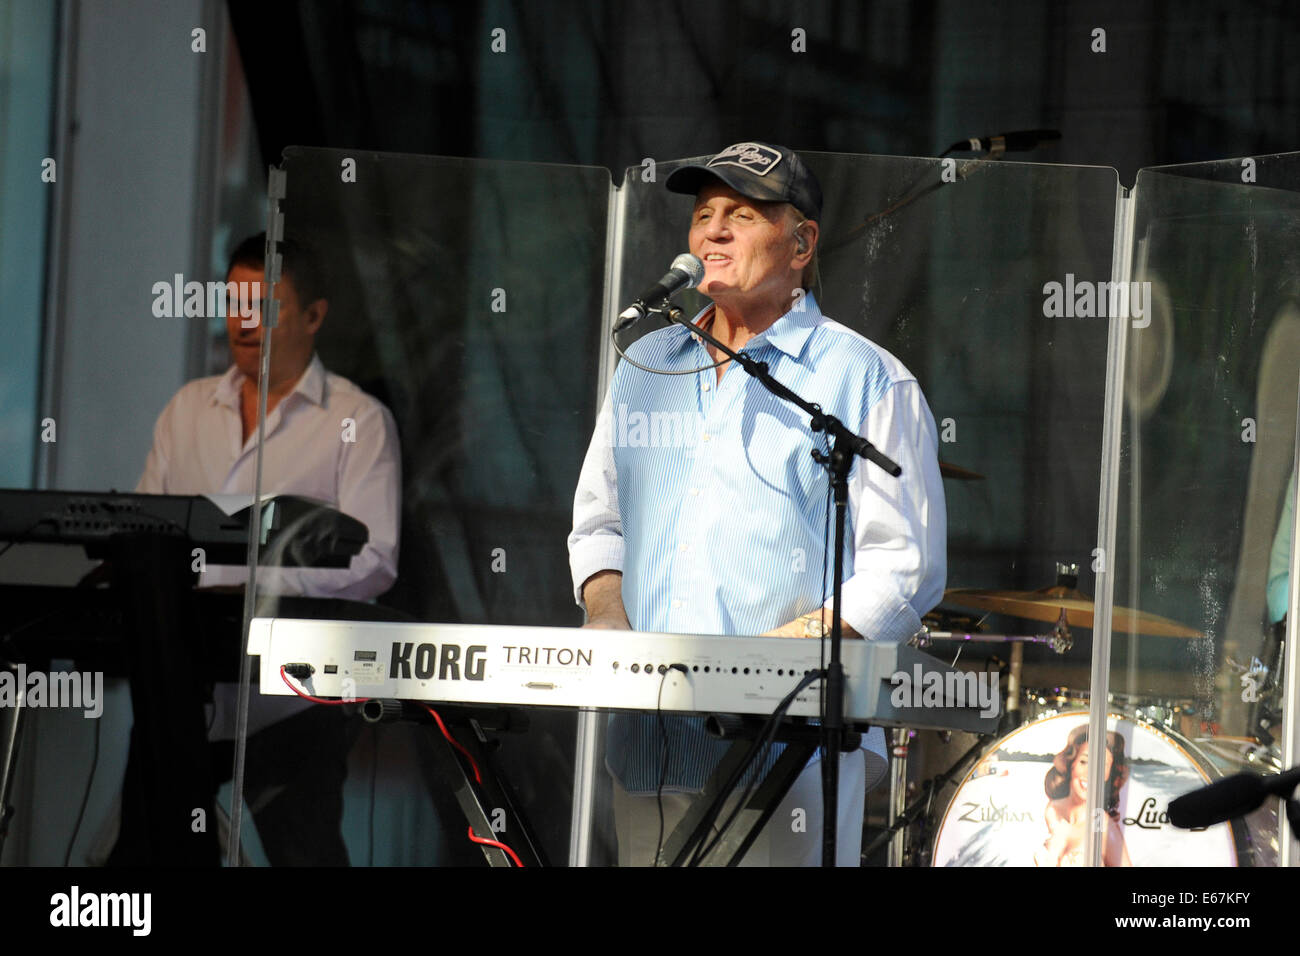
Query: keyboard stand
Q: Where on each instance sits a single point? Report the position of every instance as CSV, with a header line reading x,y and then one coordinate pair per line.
x,y
801,742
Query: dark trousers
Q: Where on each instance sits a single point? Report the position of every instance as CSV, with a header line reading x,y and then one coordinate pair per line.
x,y
293,785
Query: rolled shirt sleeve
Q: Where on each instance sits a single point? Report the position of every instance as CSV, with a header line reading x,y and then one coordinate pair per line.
x,y
899,524
596,541
154,479
369,489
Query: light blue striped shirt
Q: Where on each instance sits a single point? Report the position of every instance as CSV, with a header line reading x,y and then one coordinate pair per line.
x,y
704,495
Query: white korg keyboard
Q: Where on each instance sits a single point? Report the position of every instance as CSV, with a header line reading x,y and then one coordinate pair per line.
x,y
618,670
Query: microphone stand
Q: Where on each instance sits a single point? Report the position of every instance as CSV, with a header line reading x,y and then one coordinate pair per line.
x,y
845,446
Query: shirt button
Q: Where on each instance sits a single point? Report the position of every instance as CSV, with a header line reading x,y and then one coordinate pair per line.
x,y
694,492
684,548
707,386
676,603
704,437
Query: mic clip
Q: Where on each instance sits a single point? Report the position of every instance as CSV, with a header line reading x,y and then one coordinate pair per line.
x,y
638,311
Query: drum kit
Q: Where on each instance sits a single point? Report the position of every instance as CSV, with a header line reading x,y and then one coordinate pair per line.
x,y
1020,799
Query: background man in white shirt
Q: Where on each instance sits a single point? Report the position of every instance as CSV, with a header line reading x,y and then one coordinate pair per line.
x,y
324,439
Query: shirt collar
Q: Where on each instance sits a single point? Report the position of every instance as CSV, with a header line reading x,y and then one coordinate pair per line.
x,y
788,334
310,385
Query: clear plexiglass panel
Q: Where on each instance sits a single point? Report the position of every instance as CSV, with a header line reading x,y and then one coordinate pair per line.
x,y
951,267
439,353
1206,491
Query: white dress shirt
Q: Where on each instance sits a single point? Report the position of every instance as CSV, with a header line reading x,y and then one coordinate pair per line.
x,y
198,449
326,440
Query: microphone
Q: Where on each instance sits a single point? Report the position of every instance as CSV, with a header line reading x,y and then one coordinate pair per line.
x,y
685,273
1019,141
1233,796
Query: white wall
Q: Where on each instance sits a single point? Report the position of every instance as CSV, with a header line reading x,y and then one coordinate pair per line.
x,y
27,31
130,177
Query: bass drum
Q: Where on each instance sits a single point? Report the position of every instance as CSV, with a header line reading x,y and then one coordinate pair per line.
x,y
999,815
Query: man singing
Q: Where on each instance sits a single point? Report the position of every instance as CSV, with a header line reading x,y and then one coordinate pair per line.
x,y
725,535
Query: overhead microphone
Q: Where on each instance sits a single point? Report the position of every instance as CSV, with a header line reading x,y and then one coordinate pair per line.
x,y
685,273
1019,141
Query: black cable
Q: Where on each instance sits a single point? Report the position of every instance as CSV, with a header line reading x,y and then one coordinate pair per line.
x,y
768,735
661,371
762,743
6,639
85,797
663,765
703,849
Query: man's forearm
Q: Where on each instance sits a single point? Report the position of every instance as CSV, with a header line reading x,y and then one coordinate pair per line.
x,y
603,595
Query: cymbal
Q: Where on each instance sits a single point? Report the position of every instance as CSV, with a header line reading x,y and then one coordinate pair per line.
x,y
1046,604
954,471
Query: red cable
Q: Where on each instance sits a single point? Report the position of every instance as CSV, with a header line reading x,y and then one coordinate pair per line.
x,y
498,844
478,777
318,700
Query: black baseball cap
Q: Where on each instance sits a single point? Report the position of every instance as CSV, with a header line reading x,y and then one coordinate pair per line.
x,y
757,171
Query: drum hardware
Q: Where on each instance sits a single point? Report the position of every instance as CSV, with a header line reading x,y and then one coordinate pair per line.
x,y
1261,687
1011,712
1162,713
902,821
1059,640
1234,754
899,738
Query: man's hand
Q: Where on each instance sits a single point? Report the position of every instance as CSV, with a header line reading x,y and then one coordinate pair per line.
x,y
603,595
808,626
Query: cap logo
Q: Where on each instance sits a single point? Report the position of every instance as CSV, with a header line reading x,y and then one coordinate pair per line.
x,y
753,157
